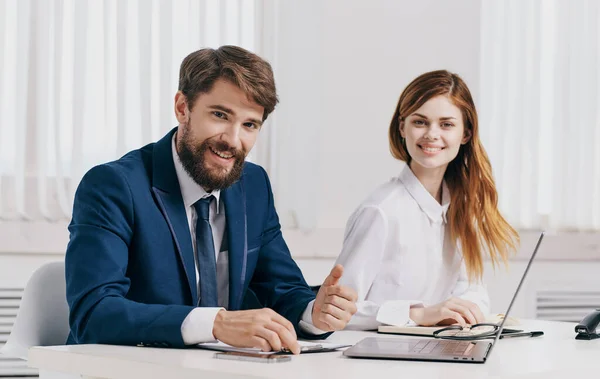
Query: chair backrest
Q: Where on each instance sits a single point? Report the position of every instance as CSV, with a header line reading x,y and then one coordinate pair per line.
x,y
43,317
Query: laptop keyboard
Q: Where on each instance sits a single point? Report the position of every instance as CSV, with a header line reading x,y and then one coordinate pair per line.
x,y
441,347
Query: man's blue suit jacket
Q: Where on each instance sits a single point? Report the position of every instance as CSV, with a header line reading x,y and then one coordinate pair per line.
x,y
130,264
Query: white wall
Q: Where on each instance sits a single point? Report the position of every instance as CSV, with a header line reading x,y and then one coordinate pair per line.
x,y
341,67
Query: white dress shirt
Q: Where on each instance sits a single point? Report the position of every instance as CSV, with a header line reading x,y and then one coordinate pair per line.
x,y
397,253
197,326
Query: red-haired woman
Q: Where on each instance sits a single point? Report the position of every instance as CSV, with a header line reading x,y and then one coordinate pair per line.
x,y
414,249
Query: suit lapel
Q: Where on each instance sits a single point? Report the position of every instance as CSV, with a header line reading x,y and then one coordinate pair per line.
x,y
165,187
235,211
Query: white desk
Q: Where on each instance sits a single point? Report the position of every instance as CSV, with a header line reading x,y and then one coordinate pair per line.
x,y
557,354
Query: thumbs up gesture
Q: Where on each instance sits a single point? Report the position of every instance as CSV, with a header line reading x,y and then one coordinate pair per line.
x,y
335,304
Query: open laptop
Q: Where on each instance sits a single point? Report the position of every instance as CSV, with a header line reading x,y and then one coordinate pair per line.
x,y
427,349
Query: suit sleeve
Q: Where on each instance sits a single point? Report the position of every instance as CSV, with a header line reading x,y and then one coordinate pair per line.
x,y
277,280
101,232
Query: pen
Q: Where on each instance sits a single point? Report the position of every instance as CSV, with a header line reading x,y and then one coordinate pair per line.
x,y
524,334
303,348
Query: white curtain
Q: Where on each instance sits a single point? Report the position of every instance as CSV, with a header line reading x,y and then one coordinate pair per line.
x,y
85,81
540,110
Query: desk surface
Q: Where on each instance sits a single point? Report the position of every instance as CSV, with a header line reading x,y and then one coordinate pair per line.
x,y
556,354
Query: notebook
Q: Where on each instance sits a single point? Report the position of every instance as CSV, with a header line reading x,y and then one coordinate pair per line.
x,y
416,330
305,347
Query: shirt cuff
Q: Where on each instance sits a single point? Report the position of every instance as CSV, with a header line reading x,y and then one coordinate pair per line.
x,y
198,325
306,324
396,312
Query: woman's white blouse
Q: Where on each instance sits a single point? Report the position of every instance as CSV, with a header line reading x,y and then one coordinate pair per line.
x,y
397,254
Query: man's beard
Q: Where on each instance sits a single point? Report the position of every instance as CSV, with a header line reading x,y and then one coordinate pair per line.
x,y
214,178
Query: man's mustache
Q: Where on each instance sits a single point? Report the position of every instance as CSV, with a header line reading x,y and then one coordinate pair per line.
x,y
224,147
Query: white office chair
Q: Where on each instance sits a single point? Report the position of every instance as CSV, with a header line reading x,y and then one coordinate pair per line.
x,y
43,317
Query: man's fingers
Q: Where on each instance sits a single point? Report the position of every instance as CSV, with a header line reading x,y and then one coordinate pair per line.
x,y
271,337
283,321
332,322
334,276
261,328
260,343
341,303
342,291
336,312
286,338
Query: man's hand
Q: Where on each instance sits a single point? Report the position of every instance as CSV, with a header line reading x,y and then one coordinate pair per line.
x,y
451,311
261,328
335,304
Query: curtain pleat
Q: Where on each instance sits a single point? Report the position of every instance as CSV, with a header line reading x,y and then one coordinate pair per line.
x,y
23,89
540,119
83,82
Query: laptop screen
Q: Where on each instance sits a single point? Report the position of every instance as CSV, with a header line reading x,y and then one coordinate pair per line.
x,y
516,292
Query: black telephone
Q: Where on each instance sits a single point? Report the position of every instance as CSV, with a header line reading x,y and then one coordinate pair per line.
x,y
586,329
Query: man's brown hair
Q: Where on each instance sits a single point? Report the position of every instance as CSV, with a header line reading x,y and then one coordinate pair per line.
x,y
248,71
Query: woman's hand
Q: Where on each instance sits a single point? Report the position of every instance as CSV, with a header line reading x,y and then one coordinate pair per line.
x,y
452,311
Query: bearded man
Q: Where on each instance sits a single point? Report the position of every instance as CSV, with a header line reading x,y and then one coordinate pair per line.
x,y
175,243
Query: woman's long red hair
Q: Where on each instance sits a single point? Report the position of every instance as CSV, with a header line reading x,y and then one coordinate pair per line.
x,y
476,225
